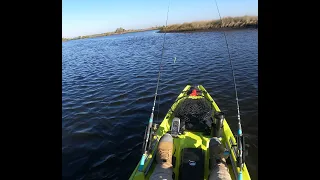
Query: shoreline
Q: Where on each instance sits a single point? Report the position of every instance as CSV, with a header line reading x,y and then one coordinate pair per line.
x,y
110,34
210,30
227,24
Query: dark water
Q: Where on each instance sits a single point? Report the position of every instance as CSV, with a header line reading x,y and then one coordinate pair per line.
x,y
108,85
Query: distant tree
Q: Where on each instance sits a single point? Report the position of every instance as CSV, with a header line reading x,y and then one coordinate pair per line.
x,y
120,30
65,39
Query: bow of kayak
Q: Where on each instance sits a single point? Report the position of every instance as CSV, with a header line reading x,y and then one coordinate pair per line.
x,y
191,137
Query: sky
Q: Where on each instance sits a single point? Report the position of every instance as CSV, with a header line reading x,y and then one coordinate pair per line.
x,y
87,17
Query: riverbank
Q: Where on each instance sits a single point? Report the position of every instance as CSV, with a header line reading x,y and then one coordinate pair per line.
x,y
213,25
196,26
117,31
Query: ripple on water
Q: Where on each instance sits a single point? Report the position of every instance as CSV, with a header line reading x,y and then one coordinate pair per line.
x,y
108,84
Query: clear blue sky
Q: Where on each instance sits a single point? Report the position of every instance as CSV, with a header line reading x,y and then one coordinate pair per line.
x,y
86,17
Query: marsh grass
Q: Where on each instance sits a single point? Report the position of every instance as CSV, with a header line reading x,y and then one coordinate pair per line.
x,y
227,22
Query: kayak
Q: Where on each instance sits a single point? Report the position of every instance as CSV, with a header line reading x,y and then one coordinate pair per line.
x,y
193,119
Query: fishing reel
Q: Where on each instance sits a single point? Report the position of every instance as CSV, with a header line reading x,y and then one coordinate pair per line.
x,y
241,150
148,139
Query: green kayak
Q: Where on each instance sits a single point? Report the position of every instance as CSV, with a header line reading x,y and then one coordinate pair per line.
x,y
198,114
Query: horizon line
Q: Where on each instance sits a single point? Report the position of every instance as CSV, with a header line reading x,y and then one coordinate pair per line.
x,y
154,26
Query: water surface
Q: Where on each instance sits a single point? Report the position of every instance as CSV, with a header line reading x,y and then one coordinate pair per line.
x,y
108,84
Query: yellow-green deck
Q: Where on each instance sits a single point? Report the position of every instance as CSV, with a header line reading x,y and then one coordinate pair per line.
x,y
190,140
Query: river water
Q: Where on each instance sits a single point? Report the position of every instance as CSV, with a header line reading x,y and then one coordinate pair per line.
x,y
108,86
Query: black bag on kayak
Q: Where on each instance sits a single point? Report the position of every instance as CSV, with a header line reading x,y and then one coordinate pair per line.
x,y
192,164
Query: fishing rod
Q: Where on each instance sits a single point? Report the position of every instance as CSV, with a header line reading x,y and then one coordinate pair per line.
x,y
240,138
147,140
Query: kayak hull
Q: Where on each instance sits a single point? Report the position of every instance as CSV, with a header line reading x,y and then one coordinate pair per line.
x,y
190,139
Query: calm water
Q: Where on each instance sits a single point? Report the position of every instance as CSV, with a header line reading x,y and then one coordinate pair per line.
x,y
108,85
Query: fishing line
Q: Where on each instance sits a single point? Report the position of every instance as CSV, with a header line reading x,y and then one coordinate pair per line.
x,y
160,65
237,100
145,154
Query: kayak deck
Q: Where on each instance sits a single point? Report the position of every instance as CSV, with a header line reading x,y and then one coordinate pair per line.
x,y
189,139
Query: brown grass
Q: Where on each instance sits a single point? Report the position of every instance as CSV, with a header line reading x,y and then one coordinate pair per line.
x,y
227,22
